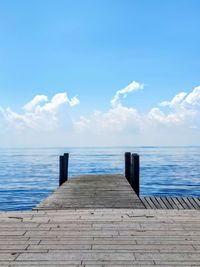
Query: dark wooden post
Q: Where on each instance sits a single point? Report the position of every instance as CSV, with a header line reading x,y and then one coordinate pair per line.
x,y
66,160
127,156
63,172
135,173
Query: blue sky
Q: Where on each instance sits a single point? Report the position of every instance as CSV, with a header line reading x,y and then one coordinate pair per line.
x,y
92,49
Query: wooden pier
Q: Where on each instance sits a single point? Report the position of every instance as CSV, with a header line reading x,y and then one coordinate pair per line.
x,y
109,191
100,221
93,191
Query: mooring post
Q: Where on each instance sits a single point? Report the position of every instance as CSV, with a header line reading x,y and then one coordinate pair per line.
x,y
127,157
63,170
66,160
135,173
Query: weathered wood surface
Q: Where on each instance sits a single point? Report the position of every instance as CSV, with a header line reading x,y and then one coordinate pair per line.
x,y
171,202
93,191
100,237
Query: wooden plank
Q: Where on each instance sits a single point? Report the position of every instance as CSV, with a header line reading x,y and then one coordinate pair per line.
x,y
148,199
190,206
182,202
193,202
170,200
197,201
162,204
155,202
188,198
100,237
146,204
168,206
177,203
93,191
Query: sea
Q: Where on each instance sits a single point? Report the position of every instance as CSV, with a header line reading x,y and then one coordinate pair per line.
x,y
28,175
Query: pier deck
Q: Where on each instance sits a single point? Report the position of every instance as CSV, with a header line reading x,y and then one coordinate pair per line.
x,y
93,191
100,238
99,221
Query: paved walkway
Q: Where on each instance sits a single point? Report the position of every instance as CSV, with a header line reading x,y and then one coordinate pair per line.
x,y
100,237
93,191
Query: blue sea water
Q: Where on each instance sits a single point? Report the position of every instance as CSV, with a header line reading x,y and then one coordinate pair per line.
x,y
29,175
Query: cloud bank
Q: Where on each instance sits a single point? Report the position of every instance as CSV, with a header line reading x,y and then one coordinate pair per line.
x,y
50,122
172,122
40,114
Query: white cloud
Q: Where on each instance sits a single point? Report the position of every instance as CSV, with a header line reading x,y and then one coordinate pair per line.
x,y
74,101
193,98
38,117
35,101
175,121
156,114
165,125
184,100
116,120
123,92
176,101
184,109
56,102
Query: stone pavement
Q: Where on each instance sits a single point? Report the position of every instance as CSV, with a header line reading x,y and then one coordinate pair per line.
x,y
100,237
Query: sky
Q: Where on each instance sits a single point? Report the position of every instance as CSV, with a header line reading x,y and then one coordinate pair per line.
x,y
99,73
